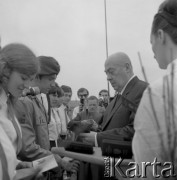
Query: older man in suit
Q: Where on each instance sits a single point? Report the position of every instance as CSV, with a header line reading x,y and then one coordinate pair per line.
x,y
118,118
119,115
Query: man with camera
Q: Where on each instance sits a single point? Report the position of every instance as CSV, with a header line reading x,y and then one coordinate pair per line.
x,y
82,94
103,98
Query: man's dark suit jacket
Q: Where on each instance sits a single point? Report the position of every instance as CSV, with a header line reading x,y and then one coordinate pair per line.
x,y
118,117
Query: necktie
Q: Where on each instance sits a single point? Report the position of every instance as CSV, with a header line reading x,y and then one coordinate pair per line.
x,y
116,99
66,117
4,164
40,103
11,115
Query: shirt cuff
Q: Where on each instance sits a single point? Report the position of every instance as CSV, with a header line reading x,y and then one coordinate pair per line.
x,y
96,143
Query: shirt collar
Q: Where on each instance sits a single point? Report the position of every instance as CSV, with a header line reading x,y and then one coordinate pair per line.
x,y
169,67
126,85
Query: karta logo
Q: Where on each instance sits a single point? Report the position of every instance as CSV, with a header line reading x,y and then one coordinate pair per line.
x,y
156,169
113,166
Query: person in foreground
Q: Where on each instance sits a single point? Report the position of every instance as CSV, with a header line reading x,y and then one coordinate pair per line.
x,y
119,117
18,65
155,139
32,115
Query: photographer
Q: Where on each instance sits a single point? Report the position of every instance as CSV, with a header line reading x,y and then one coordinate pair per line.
x,y
82,94
103,98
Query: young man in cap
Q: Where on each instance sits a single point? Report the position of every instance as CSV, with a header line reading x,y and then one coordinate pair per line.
x,y
33,117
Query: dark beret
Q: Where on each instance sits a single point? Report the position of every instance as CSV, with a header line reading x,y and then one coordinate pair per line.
x,y
48,65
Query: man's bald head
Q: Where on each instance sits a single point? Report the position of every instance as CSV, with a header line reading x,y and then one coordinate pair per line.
x,y
119,59
118,69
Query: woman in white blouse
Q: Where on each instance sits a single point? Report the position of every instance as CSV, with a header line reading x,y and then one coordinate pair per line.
x,y
18,66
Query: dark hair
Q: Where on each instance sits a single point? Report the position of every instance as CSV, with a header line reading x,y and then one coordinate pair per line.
x,y
103,90
92,98
56,89
17,57
166,19
82,90
48,66
66,89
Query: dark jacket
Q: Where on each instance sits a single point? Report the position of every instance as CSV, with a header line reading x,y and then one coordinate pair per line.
x,y
119,116
33,120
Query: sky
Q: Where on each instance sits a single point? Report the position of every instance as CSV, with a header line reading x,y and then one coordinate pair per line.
x,y
73,32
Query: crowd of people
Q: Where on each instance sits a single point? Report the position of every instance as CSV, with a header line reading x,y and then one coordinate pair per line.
x,y
35,113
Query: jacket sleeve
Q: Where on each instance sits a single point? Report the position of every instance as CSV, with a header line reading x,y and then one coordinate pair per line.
x,y
126,132
25,114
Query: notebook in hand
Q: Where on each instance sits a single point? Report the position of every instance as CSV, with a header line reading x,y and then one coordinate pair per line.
x,y
116,148
79,147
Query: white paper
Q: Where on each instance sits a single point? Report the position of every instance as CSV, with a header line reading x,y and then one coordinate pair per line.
x,y
45,163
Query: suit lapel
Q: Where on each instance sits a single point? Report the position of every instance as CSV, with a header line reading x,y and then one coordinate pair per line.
x,y
115,106
118,100
130,85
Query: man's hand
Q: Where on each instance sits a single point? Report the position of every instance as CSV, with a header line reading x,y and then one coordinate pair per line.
x,y
101,109
86,125
91,124
26,171
58,159
70,164
80,126
24,164
88,137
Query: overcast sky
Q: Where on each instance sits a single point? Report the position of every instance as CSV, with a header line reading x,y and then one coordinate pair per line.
x,y
73,32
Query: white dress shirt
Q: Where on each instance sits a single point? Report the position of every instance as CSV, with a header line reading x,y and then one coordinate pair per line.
x,y
75,112
55,125
10,155
8,137
5,122
64,119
